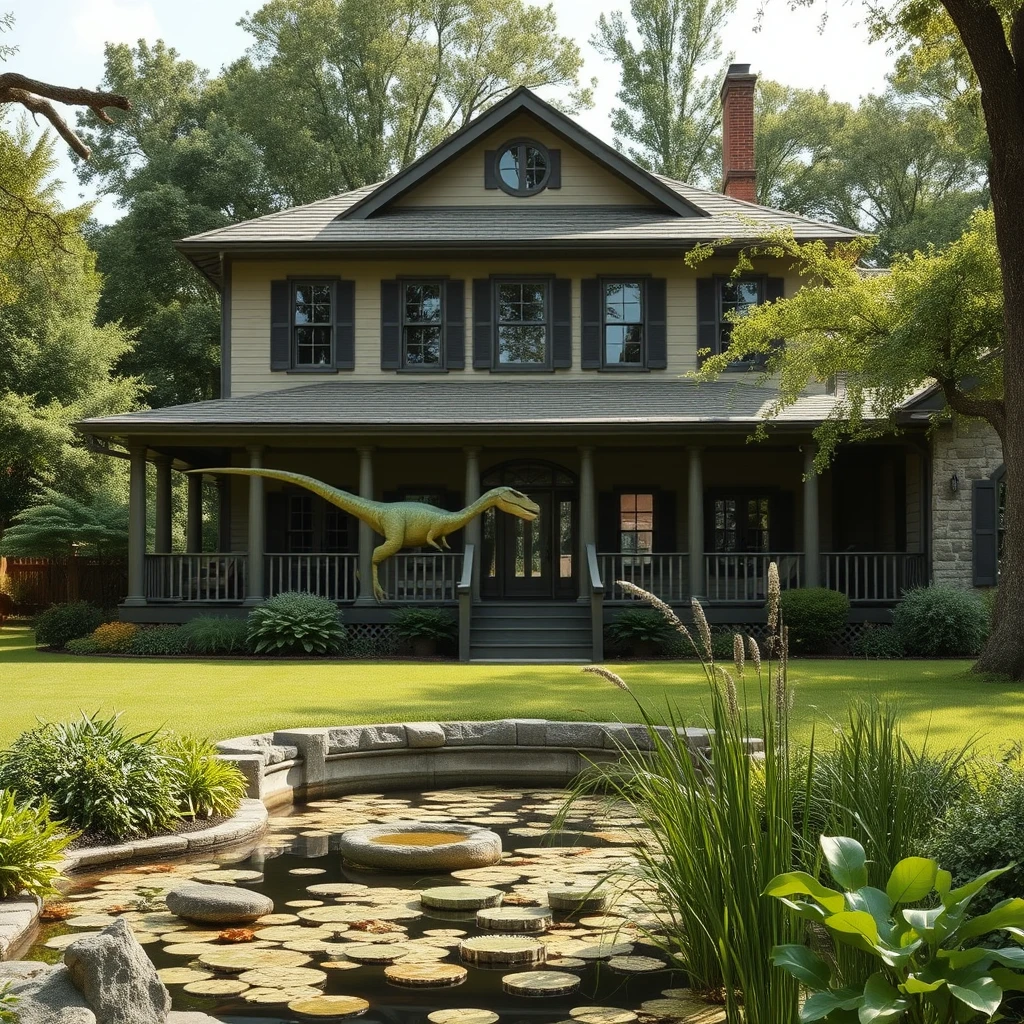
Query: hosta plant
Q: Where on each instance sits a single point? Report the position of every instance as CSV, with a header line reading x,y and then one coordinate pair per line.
x,y
295,623
931,961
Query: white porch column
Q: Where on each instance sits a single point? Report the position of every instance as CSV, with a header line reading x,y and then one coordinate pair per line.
x,y
162,539
812,543
136,527
194,515
474,529
366,535
257,529
588,517
695,520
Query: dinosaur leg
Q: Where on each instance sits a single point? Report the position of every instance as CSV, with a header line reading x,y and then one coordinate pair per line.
x,y
390,547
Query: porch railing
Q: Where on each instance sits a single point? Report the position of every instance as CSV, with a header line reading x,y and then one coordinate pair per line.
x,y
422,577
326,575
667,575
743,577
217,577
872,577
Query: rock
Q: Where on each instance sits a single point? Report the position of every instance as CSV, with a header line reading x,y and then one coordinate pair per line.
x,y
218,904
347,739
190,1017
263,744
116,977
468,734
46,994
424,734
467,846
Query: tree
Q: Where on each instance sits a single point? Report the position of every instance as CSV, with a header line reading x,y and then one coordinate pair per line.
x,y
54,523
669,83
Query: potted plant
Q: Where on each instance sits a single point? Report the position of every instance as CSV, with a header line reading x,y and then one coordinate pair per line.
x,y
424,629
641,631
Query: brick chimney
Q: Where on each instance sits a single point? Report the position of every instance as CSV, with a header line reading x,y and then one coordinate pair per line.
x,y
738,171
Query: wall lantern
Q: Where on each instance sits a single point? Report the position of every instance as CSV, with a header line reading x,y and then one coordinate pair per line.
x,y
954,484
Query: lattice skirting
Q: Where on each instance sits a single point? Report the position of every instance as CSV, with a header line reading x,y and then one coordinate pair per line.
x,y
759,630
371,640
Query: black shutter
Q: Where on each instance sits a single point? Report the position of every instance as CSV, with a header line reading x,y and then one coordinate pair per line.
x,y
665,521
608,524
483,324
455,325
276,533
490,170
390,326
782,521
774,289
561,323
590,330
453,502
657,324
280,325
707,316
555,174
345,325
984,518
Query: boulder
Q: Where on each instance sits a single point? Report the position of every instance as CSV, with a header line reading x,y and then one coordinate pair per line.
x,y
424,734
118,980
218,904
45,994
190,1017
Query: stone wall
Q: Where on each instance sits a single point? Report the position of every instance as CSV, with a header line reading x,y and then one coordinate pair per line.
x,y
972,450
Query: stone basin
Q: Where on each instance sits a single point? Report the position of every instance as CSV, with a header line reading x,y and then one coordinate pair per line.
x,y
421,846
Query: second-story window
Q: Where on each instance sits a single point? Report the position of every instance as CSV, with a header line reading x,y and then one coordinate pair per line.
x,y
522,323
623,323
422,324
312,324
736,296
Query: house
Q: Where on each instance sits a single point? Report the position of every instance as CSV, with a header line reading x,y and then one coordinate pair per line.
x,y
515,308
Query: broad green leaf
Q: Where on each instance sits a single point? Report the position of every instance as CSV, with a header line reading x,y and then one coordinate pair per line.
x,y
799,883
846,860
803,964
854,927
1007,980
983,995
943,883
911,880
1009,956
1008,914
922,921
821,1004
965,957
876,903
915,986
972,888
808,911
881,1002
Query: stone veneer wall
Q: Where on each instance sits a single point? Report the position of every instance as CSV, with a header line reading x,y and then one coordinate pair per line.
x,y
971,449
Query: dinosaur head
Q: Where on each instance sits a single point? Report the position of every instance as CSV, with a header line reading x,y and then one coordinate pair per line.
x,y
508,499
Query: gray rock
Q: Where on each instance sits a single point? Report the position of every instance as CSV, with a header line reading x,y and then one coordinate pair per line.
x,y
347,739
470,734
424,734
218,904
46,994
118,980
478,849
262,744
190,1017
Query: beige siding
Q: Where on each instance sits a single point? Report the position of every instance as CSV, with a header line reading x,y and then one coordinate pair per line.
x,y
250,311
584,182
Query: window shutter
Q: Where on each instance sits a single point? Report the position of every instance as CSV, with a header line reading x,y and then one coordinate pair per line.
x,y
782,521
276,538
455,325
345,325
390,326
590,332
608,525
657,324
774,289
483,324
665,521
490,170
707,316
983,522
280,325
561,323
555,174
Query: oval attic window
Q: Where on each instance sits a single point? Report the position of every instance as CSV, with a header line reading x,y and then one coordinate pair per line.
x,y
523,167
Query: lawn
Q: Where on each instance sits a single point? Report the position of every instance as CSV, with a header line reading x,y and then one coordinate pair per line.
x,y
230,698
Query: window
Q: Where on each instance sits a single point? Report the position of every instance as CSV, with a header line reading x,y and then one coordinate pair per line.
x,y
741,522
522,323
623,323
736,296
422,324
636,524
523,167
312,324
300,522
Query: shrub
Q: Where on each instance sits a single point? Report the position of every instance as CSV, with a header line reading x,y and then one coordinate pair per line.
x,y
83,645
158,641
114,637
31,844
424,624
63,622
640,628
203,784
295,622
8,1002
96,777
815,617
879,642
941,622
215,634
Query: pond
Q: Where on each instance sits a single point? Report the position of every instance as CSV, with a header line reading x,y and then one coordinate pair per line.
x,y
339,929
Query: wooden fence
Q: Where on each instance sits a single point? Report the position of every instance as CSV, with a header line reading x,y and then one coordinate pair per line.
x,y
36,583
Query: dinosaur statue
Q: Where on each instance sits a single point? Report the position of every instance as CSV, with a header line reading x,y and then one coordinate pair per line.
x,y
402,524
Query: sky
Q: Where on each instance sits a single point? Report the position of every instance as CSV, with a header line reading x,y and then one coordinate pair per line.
x,y
62,41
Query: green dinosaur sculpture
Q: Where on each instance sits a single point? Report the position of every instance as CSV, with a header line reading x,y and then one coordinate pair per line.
x,y
402,524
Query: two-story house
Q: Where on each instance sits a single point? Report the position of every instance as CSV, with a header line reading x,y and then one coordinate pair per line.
x,y
515,308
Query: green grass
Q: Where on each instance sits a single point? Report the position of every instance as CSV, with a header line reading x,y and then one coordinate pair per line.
x,y
219,698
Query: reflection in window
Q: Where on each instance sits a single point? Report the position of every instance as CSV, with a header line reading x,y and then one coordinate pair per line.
x,y
565,540
742,523
739,296
523,168
421,324
623,323
522,323
312,324
636,525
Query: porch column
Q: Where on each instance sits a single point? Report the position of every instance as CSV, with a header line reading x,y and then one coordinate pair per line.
x,y
812,544
223,514
136,527
588,517
695,520
366,535
257,529
194,515
474,529
162,540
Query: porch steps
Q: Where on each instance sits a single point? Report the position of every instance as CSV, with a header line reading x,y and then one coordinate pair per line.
x,y
530,631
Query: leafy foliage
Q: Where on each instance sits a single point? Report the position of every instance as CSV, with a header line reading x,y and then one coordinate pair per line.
x,y
816,617
203,785
424,624
928,964
215,634
941,622
31,844
639,626
294,622
82,645
8,1005
115,637
879,642
63,622
54,524
157,641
